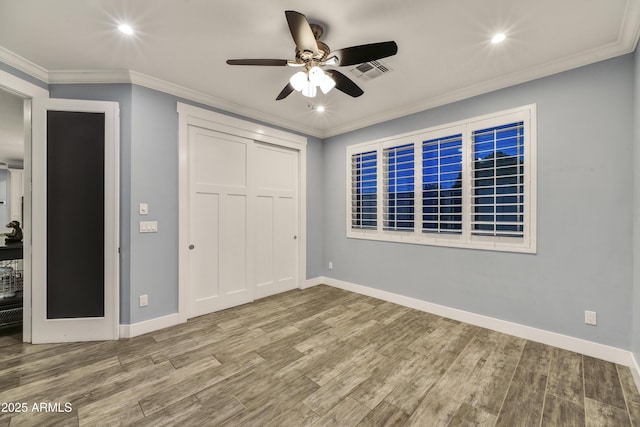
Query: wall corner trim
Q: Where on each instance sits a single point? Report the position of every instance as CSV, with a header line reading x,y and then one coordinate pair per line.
x,y
310,283
578,345
635,370
146,326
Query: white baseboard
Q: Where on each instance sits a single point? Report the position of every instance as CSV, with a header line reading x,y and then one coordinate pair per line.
x,y
314,282
589,348
141,328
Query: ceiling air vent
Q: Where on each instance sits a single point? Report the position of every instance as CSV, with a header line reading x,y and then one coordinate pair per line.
x,y
370,70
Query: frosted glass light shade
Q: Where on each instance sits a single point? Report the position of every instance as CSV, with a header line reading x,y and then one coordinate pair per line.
x,y
316,75
327,84
299,81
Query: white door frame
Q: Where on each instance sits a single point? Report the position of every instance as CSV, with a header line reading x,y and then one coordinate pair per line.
x,y
46,330
194,116
27,91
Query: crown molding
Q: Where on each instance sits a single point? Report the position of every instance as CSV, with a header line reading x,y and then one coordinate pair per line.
x,y
626,43
150,82
219,103
24,65
453,96
21,87
89,76
630,30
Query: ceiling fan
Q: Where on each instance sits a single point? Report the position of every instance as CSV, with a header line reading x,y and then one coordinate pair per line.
x,y
313,55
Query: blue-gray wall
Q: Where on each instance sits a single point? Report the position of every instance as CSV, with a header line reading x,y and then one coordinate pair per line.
x,y
585,176
584,215
315,208
154,180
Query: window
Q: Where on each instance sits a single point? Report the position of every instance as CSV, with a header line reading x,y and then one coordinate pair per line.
x,y
467,184
398,188
498,181
364,199
442,185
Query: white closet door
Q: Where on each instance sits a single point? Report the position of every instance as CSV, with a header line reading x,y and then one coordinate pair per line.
x,y
219,227
275,171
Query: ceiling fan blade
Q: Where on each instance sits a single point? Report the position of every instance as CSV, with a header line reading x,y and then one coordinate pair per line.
x,y
285,92
344,83
301,32
365,53
263,62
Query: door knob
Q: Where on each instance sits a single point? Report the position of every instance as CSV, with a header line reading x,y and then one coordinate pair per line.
x,y
295,237
191,247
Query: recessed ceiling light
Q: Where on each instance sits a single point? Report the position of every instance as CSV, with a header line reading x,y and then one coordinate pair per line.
x,y
498,38
320,108
125,29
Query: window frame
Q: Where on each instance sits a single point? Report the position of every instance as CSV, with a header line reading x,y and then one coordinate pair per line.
x,y
360,215
466,239
383,190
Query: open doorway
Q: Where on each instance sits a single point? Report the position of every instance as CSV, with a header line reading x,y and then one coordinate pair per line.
x,y
11,212
39,323
24,91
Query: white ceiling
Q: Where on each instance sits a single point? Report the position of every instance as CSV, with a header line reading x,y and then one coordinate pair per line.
x,y
444,49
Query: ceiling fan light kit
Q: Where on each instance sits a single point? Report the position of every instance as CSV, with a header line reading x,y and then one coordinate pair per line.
x,y
308,82
314,55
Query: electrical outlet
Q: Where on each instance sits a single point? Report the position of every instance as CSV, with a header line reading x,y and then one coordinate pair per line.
x,y
590,317
144,300
330,265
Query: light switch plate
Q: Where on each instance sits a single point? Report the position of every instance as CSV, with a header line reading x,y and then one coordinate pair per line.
x,y
144,209
148,226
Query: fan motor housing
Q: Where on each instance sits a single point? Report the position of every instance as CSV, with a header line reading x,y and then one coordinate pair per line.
x,y
306,56
323,49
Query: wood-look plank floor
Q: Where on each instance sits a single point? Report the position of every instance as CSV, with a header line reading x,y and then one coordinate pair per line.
x,y
314,357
